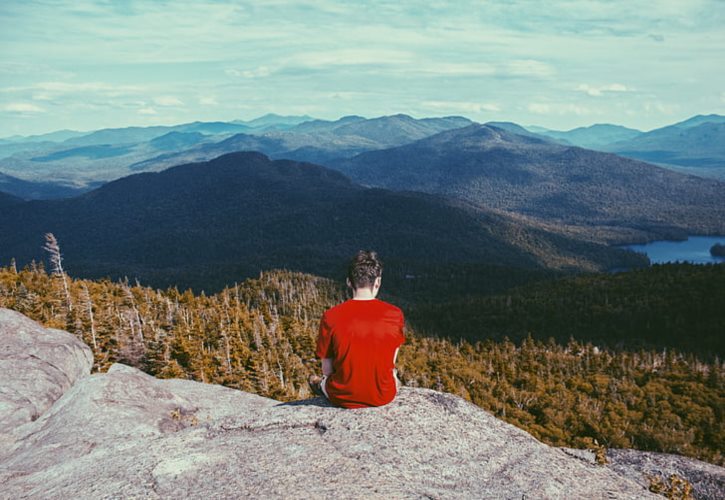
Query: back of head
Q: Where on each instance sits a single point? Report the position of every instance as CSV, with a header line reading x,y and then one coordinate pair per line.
x,y
364,268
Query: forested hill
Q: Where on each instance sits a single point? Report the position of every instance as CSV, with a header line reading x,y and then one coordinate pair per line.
x,y
494,168
665,306
30,190
7,200
208,224
259,336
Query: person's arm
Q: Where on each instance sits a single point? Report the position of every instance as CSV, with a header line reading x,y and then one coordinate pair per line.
x,y
395,370
323,350
327,366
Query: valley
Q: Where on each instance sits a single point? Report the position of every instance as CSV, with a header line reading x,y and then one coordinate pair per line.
x,y
203,224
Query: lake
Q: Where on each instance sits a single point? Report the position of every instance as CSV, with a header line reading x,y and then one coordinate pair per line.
x,y
695,249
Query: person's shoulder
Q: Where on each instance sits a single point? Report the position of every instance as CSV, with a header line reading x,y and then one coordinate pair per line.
x,y
390,307
335,310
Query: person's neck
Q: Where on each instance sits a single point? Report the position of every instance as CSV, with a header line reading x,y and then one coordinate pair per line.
x,y
363,294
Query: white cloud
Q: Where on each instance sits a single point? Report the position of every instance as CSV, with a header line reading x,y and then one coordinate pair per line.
x,y
47,90
208,101
350,57
259,72
462,106
539,108
597,91
101,87
529,68
42,96
147,110
22,107
455,69
348,96
168,100
660,107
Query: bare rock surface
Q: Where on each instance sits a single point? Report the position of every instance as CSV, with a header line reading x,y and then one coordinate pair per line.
x,y
708,480
51,361
126,434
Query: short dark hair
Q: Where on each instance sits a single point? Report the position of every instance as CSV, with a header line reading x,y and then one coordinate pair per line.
x,y
364,267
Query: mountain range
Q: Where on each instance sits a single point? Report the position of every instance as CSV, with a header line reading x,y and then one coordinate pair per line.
x,y
592,137
206,224
70,162
696,145
489,167
104,155
693,146
31,190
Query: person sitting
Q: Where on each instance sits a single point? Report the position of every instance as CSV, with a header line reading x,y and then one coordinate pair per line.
x,y
358,341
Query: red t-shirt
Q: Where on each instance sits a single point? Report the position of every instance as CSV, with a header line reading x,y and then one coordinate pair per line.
x,y
361,337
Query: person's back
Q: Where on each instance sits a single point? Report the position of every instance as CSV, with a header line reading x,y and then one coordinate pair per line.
x,y
359,340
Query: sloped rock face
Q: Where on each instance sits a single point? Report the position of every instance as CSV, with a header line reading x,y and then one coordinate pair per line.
x,y
126,434
708,480
37,365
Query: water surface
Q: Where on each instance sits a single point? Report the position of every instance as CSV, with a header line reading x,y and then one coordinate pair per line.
x,y
695,249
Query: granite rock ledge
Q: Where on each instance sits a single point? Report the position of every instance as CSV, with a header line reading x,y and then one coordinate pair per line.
x,y
127,434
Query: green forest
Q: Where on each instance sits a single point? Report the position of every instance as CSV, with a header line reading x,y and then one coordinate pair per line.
x,y
532,362
659,307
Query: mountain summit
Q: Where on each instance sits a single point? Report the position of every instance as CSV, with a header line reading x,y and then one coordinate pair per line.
x,y
124,433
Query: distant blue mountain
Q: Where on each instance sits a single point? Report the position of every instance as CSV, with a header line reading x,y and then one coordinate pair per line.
x,y
8,148
399,129
383,131
125,135
134,135
211,128
174,141
593,137
272,121
699,120
316,141
696,145
519,130
314,126
57,136
89,152
21,189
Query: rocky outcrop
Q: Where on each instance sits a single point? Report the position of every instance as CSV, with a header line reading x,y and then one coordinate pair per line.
x,y
37,365
126,434
707,480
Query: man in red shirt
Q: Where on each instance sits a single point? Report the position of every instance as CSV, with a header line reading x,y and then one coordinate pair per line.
x,y
359,340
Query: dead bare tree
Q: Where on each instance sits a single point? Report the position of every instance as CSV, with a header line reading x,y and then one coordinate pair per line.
x,y
86,298
56,263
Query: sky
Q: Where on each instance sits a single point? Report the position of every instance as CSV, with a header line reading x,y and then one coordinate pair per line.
x,y
560,64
